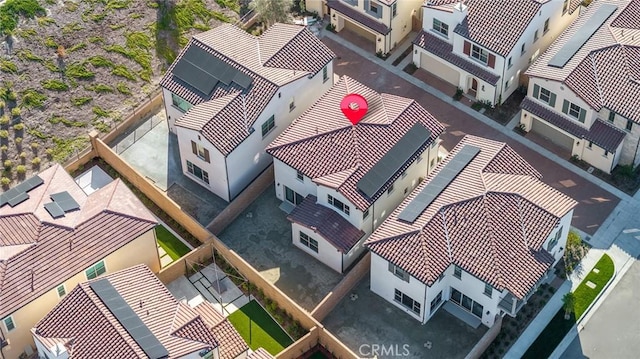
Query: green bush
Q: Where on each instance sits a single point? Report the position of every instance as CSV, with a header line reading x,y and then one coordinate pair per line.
x,y
8,164
79,71
8,66
72,27
59,119
54,85
70,6
26,54
4,133
100,61
50,42
123,71
95,39
138,39
21,169
50,65
100,112
44,21
32,98
36,161
102,126
114,27
118,4
123,89
4,119
16,111
79,101
77,47
5,181
11,9
99,88
18,127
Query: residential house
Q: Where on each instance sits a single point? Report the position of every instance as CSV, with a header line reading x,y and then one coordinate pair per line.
x,y
131,314
584,94
345,178
383,23
54,236
478,235
229,94
483,46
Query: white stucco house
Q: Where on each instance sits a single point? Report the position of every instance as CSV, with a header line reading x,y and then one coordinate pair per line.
x,y
229,94
584,93
484,46
478,235
345,179
384,23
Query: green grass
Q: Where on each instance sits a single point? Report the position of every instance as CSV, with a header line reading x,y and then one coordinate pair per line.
x,y
59,119
558,327
72,27
100,61
585,295
28,55
32,99
172,245
99,88
78,70
63,148
8,66
258,329
12,9
79,101
123,88
77,47
550,337
123,71
54,85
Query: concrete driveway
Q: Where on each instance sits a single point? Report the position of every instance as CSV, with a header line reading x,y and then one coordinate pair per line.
x,y
370,320
595,204
153,151
261,235
613,331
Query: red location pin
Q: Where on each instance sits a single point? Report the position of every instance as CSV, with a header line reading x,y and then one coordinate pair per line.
x,y
354,107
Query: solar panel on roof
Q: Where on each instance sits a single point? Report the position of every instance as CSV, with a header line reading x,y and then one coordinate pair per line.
x,y
54,210
583,34
17,194
393,160
129,319
438,183
65,201
242,80
194,76
21,197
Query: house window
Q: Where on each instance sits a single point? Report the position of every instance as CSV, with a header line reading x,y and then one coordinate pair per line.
x,y
546,26
590,144
390,189
574,110
479,54
374,9
434,303
365,214
488,290
406,301
629,125
394,9
180,103
509,63
506,84
522,49
61,291
399,272
309,242
606,153
198,172
269,125
96,270
565,6
440,27
612,116
9,325
292,104
338,204
457,272
535,36
299,176
554,240
292,196
325,74
200,151
433,162
404,174
544,95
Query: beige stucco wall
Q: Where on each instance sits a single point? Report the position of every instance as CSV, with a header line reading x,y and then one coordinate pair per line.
x,y
141,250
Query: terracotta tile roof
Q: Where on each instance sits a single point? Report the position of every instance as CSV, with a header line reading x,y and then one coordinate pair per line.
x,y
324,146
260,354
601,133
359,17
81,317
107,220
605,71
282,54
444,50
487,20
491,220
328,223
231,343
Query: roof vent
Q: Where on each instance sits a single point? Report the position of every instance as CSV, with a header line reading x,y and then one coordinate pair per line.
x,y
62,203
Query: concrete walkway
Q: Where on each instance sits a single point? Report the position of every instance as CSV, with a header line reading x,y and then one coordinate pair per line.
x,y
405,44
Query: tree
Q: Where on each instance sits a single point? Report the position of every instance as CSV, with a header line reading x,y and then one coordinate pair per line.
x,y
272,11
568,303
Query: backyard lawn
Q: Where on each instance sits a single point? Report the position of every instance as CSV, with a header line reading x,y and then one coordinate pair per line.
x,y
558,327
258,329
170,243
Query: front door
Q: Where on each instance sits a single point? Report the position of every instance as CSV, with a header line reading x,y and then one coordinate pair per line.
x,y
292,196
466,303
474,87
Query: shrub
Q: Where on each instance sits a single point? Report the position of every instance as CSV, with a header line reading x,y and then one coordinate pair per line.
x,y
77,47
4,119
21,169
32,98
23,155
70,6
16,111
54,85
4,148
138,39
8,164
18,127
123,71
99,88
44,21
100,112
79,101
95,39
8,66
50,42
26,54
5,181
18,140
4,133
114,27
35,145
72,27
118,4
79,71
10,10
36,161
458,95
123,89
100,61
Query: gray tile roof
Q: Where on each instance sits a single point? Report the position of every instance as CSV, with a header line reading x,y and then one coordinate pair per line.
x,y
601,133
357,16
444,50
282,54
324,146
491,220
328,223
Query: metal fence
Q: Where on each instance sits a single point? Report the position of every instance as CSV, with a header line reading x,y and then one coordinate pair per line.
x,y
137,133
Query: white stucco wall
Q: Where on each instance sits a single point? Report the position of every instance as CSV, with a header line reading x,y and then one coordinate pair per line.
x,y
287,176
327,253
172,112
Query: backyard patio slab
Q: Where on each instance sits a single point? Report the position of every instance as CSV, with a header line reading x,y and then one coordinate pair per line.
x,y
261,235
370,320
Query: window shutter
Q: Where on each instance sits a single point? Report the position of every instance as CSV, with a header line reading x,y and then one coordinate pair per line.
x,y
552,100
492,61
206,156
194,148
467,48
391,267
405,276
536,91
565,107
583,114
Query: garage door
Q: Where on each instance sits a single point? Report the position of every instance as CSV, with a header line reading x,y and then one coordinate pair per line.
x,y
357,30
551,134
439,69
